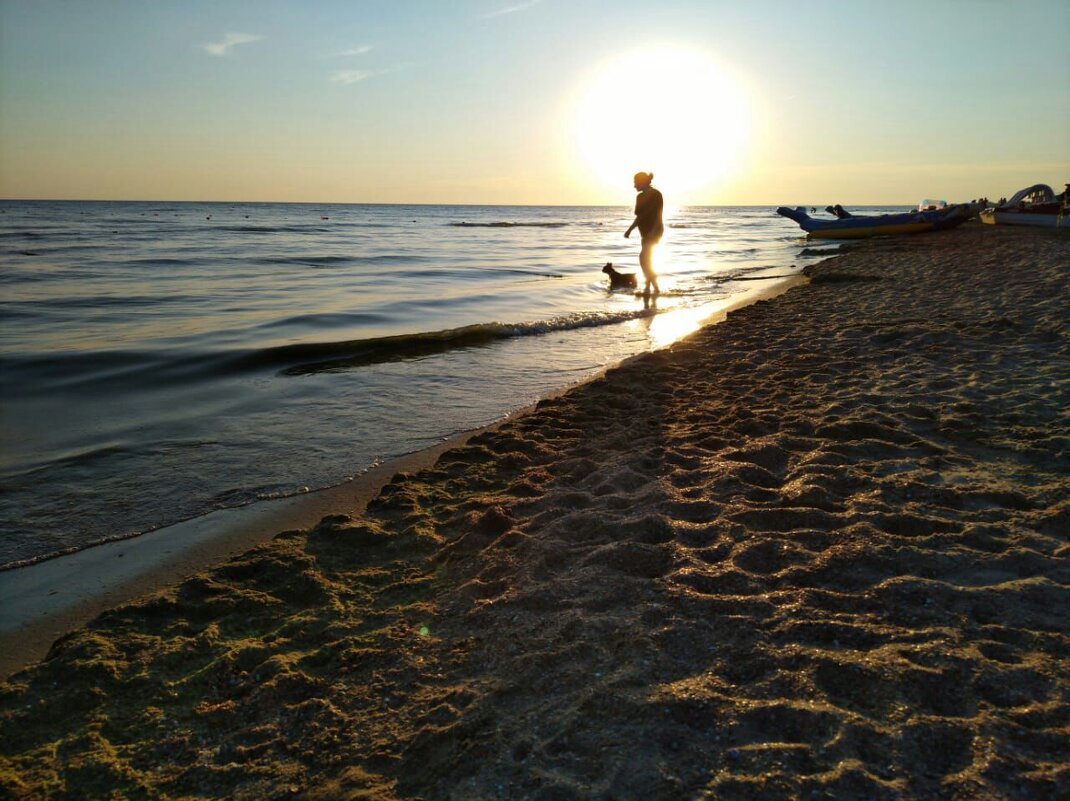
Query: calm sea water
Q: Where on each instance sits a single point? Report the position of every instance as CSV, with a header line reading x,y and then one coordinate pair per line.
x,y
162,360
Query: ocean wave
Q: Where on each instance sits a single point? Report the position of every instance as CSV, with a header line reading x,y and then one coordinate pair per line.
x,y
327,260
324,320
158,262
86,370
273,229
97,302
91,458
516,271
310,261
338,356
434,270
23,277
747,275
679,292
21,235
508,224
736,253
229,499
243,496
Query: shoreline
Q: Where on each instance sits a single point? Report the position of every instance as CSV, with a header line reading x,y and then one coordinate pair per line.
x,y
43,600
819,550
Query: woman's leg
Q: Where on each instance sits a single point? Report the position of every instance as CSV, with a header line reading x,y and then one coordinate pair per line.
x,y
646,262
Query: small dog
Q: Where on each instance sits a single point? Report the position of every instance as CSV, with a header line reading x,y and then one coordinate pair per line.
x,y
619,280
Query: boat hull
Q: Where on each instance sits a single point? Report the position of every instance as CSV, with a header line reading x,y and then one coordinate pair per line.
x,y
859,232
1024,218
858,227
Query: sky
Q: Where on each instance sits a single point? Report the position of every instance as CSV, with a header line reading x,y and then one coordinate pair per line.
x,y
532,101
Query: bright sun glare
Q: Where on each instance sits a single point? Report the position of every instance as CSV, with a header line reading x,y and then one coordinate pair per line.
x,y
670,110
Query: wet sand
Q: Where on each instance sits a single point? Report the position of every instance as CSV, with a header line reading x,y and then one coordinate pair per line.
x,y
820,550
42,601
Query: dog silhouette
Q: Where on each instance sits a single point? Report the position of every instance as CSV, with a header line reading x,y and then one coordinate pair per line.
x,y
619,280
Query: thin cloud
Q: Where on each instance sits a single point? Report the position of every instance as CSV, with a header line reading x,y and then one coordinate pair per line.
x,y
346,77
359,50
222,47
501,12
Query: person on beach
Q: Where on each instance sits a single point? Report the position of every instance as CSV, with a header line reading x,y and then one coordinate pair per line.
x,y
648,206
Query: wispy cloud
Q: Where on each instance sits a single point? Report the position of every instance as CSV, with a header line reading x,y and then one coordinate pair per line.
x,y
222,47
346,77
512,9
359,50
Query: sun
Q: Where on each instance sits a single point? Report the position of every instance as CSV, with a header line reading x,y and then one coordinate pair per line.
x,y
670,110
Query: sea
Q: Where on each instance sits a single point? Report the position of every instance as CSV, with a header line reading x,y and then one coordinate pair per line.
x,y
162,360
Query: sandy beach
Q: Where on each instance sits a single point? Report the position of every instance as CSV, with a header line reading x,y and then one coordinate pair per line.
x,y
819,550
42,601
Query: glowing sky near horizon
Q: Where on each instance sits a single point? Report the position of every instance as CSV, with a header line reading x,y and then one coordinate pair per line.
x,y
514,101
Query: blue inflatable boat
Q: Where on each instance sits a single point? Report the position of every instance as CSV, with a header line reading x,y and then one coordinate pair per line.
x,y
850,226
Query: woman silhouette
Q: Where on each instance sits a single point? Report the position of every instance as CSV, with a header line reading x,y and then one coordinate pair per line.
x,y
648,206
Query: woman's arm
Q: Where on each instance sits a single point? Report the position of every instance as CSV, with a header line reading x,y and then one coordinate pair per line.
x,y
631,227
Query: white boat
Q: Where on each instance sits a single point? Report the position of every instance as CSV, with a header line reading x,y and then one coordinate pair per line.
x,y
1035,205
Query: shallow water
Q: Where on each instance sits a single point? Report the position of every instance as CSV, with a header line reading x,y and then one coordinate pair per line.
x,y
161,360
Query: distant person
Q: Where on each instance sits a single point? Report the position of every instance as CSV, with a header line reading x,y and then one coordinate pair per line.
x,y
648,206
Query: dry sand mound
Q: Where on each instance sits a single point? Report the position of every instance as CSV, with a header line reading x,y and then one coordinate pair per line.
x,y
819,551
